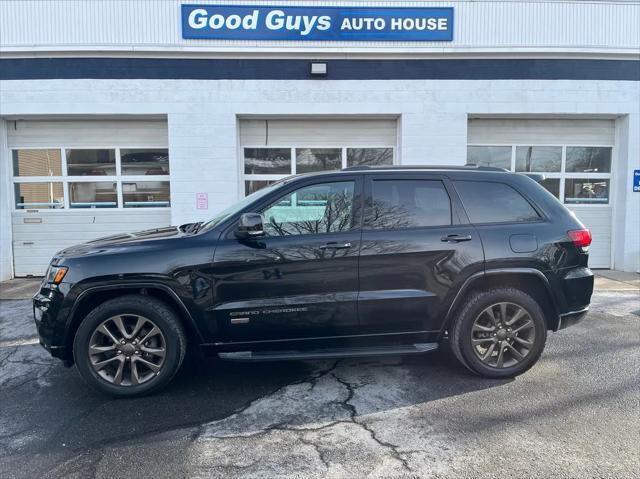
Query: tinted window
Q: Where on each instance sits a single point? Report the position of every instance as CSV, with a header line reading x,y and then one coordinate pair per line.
x,y
408,204
488,202
313,209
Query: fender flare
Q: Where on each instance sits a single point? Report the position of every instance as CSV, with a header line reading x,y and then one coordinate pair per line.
x,y
468,283
184,311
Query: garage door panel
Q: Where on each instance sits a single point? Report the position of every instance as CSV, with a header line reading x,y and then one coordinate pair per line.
x,y
34,244
599,222
581,132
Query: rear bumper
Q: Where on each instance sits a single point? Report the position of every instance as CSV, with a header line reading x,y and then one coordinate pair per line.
x,y
573,291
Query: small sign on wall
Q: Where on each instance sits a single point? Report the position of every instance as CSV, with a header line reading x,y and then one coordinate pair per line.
x,y
636,181
202,201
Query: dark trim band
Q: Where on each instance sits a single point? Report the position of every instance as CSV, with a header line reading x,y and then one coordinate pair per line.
x,y
291,69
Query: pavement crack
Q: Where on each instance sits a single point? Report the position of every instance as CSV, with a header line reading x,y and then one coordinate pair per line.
x,y
392,448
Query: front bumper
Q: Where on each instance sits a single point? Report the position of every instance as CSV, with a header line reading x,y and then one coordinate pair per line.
x,y
50,319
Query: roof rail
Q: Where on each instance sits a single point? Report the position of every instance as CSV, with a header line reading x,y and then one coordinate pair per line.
x,y
424,167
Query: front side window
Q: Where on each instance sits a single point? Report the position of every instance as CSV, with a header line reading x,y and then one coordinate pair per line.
x,y
408,204
313,209
488,202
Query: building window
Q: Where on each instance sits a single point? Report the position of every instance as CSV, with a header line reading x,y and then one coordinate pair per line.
x,y
497,156
91,162
539,158
576,175
37,163
586,191
45,195
318,159
93,194
369,156
148,194
145,161
54,178
582,159
264,165
267,161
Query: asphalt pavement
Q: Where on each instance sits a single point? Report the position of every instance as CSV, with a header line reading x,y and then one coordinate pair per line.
x,y
575,414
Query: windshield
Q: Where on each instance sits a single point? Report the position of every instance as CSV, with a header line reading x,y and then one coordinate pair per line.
x,y
234,208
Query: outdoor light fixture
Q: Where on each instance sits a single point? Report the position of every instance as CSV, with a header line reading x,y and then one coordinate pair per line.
x,y
318,69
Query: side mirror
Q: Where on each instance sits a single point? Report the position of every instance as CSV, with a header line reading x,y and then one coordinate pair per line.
x,y
249,226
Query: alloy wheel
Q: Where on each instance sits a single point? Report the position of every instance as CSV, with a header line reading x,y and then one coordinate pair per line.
x,y
127,350
503,335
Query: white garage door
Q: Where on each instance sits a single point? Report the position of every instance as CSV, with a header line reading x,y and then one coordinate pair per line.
x,y
275,148
74,181
575,155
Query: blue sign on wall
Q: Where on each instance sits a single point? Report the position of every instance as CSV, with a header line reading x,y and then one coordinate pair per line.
x,y
341,24
636,181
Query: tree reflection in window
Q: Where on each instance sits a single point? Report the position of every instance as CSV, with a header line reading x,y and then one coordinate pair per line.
x,y
314,209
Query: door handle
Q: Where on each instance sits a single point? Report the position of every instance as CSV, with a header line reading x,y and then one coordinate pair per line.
x,y
455,238
336,246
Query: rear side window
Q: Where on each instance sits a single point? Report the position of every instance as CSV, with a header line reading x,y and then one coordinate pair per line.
x,y
408,204
488,202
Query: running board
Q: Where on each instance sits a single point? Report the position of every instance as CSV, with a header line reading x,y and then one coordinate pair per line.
x,y
328,353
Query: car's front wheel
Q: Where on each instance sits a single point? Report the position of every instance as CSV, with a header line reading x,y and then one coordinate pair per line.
x,y
129,346
499,333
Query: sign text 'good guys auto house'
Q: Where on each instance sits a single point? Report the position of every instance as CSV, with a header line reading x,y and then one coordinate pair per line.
x,y
316,23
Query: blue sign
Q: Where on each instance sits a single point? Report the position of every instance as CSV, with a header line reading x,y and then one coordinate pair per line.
x,y
636,180
340,24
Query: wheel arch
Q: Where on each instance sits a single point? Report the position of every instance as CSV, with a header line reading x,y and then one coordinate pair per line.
x,y
92,297
529,280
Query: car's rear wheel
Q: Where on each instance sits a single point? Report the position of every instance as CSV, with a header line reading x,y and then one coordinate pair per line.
x,y
499,333
129,346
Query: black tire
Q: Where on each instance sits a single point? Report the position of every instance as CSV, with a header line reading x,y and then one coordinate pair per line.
x,y
474,305
160,315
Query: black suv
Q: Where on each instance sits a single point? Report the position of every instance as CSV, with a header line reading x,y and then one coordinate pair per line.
x,y
359,262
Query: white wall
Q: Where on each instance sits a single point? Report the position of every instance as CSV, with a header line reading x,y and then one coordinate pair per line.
x,y
203,115
6,268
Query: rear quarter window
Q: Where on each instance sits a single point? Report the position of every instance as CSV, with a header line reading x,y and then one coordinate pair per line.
x,y
489,202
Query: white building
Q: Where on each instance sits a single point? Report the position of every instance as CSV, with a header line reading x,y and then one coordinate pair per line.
x,y
111,120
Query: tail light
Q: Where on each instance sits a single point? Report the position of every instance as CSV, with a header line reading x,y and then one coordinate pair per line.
x,y
581,238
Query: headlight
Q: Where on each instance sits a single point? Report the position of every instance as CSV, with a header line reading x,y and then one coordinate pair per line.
x,y
56,274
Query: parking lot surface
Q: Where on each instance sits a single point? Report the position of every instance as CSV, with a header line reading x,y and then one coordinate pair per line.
x,y
575,414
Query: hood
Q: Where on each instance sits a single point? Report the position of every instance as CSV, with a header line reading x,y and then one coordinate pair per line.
x,y
122,240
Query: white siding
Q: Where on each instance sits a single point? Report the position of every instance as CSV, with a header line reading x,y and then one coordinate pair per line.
x,y
479,25
308,133
86,133
537,131
35,243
